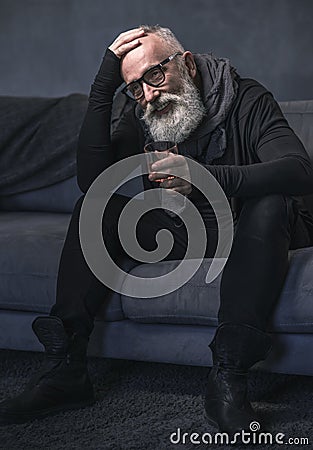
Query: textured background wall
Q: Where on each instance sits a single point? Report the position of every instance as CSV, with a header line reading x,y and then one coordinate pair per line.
x,y
53,47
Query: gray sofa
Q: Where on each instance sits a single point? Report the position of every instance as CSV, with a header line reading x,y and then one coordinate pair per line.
x,y
174,328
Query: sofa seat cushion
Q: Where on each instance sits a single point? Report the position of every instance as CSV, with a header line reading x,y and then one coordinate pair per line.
x,y
31,245
196,303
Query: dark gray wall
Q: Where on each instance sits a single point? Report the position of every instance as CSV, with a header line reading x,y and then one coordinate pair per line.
x,y
53,47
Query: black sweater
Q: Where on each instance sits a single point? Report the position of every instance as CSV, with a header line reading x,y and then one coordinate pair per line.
x,y
263,154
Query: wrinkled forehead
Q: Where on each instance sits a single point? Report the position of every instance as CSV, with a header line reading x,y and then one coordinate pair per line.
x,y
152,51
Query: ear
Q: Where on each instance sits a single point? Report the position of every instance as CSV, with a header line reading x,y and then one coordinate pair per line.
x,y
190,64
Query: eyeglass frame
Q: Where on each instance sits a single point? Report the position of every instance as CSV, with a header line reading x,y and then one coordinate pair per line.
x,y
141,79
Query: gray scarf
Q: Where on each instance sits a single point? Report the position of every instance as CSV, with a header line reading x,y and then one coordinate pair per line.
x,y
219,91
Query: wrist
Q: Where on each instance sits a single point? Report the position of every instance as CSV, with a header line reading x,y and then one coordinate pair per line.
x,y
109,74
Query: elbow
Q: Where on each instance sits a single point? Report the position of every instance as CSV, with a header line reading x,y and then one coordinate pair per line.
x,y
83,186
82,179
86,174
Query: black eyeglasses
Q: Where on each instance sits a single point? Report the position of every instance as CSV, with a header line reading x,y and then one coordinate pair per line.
x,y
154,77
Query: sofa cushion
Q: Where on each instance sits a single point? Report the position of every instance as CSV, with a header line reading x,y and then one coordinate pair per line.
x,y
197,302
59,197
31,245
38,140
300,117
194,303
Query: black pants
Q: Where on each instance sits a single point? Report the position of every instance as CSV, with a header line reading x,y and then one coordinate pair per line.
x,y
252,278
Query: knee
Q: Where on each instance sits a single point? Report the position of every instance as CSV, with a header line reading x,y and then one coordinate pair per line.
x,y
269,205
265,214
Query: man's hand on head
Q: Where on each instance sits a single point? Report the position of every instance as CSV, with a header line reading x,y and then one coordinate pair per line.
x,y
126,42
164,167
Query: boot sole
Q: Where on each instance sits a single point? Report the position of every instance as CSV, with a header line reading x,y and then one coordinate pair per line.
x,y
22,418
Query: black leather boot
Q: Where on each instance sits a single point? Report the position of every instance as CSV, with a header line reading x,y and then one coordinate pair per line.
x,y
235,348
61,384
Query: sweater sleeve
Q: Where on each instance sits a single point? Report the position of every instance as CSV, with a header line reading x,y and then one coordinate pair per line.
x,y
95,151
282,165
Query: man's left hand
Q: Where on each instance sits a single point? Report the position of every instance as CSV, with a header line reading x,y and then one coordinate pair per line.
x,y
164,167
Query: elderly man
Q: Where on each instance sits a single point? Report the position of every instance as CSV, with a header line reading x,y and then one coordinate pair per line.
x,y
234,128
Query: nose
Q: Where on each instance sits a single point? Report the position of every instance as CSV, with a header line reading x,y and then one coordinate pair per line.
x,y
150,93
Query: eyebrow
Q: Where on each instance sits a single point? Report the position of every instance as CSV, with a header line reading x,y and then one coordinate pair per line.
x,y
161,63
150,67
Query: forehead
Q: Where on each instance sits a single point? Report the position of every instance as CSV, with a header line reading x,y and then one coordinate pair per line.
x,y
151,51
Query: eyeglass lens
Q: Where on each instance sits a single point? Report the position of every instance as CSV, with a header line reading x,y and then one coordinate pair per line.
x,y
153,77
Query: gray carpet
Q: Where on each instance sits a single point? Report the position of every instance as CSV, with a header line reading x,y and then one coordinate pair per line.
x,y
139,405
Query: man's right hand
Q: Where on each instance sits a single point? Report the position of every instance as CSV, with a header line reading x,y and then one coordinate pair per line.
x,y
126,42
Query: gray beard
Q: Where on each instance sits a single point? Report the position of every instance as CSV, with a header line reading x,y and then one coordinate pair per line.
x,y
185,116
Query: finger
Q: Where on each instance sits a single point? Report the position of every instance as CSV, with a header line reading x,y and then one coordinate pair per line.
x,y
169,162
181,186
169,175
171,171
122,50
175,184
126,41
130,35
172,182
155,176
184,189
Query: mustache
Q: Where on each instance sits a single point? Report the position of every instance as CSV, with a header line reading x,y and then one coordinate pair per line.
x,y
161,102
